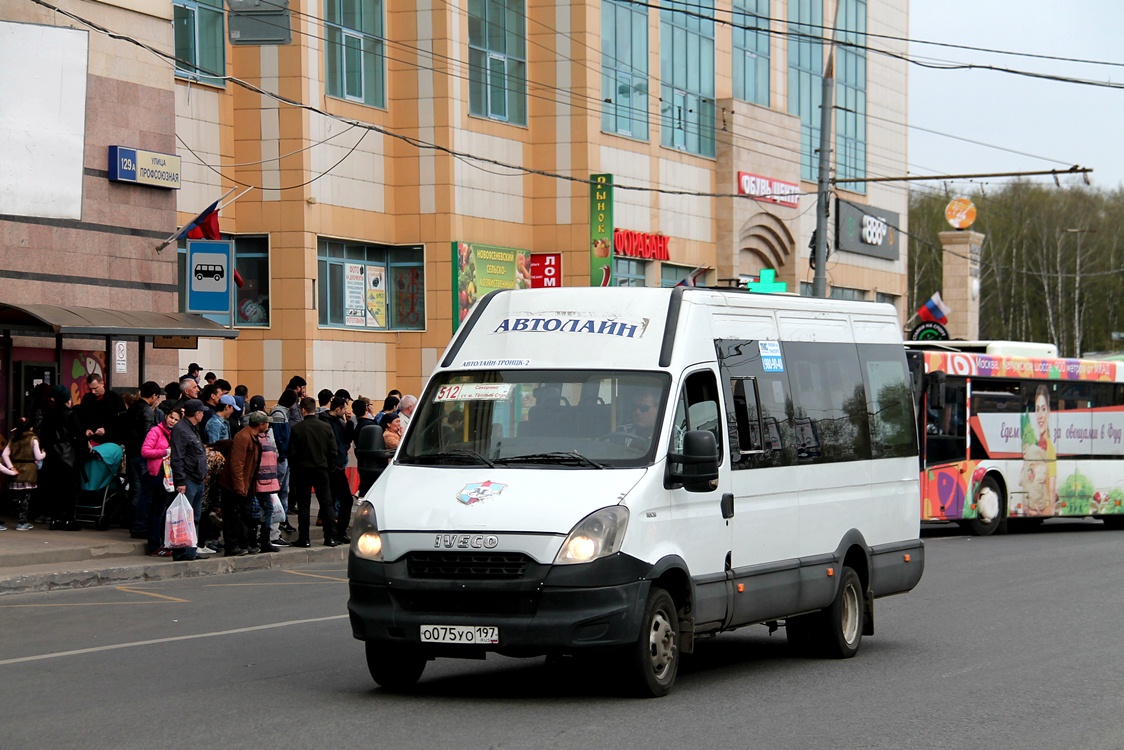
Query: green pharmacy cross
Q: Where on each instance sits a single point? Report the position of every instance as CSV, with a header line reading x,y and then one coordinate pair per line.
x,y
767,283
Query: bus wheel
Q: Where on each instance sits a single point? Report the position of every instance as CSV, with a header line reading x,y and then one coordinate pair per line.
x,y
989,490
843,620
394,667
653,661
1113,522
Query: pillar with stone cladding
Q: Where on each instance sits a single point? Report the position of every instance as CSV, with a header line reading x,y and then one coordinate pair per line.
x,y
961,282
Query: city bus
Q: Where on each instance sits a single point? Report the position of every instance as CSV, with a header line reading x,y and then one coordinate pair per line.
x,y
1010,432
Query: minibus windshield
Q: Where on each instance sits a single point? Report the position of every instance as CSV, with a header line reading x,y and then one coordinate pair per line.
x,y
524,418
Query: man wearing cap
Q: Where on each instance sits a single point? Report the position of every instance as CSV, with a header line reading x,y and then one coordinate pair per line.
x,y
140,419
193,371
239,533
189,464
218,426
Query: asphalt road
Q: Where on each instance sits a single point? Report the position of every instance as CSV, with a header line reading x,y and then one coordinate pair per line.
x,y
1008,642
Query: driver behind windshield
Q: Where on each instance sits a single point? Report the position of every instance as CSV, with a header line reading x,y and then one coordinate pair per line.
x,y
643,414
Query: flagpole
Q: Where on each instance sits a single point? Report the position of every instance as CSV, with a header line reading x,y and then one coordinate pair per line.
x,y
175,235
224,205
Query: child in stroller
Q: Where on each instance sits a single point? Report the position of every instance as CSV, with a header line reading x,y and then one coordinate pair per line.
x,y
101,491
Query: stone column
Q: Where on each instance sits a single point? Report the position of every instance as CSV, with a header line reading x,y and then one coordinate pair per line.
x,y
961,284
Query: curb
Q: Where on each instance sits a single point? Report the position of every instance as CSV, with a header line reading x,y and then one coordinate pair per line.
x,y
130,570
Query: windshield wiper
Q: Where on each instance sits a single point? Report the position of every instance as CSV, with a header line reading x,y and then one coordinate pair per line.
x,y
463,455
560,458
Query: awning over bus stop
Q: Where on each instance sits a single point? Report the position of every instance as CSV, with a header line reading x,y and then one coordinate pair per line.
x,y
96,322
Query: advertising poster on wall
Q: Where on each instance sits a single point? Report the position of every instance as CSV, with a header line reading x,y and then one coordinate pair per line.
x,y
376,297
354,295
601,230
481,269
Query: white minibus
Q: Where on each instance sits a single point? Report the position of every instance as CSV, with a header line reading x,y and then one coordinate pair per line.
x,y
618,472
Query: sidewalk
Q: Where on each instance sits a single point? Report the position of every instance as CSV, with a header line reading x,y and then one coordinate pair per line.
x,y
42,560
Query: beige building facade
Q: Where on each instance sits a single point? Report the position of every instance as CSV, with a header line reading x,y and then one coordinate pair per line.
x,y
402,156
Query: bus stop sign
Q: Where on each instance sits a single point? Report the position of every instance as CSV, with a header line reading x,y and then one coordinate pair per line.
x,y
209,270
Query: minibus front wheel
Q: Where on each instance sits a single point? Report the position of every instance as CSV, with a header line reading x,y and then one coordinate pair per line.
x,y
394,666
653,661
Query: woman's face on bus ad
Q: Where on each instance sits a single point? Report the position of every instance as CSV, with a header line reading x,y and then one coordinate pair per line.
x,y
1041,412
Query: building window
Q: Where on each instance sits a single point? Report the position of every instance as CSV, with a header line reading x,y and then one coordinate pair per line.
x,y
671,275
370,286
629,272
356,65
200,32
751,51
883,297
843,292
497,60
624,69
687,76
850,95
251,260
805,76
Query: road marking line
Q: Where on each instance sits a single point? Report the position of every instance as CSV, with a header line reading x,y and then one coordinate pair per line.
x,y
314,575
151,593
74,604
173,639
273,583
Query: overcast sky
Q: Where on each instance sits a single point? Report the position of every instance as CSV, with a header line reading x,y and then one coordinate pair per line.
x,y
1053,124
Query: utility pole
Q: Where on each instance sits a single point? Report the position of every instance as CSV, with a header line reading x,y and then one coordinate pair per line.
x,y
823,193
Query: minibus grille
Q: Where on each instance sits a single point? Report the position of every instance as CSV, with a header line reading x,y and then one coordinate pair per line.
x,y
467,602
487,566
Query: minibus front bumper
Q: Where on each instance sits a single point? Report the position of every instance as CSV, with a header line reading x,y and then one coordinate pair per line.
x,y
547,609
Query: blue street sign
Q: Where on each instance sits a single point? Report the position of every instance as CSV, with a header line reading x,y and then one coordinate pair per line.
x,y
209,275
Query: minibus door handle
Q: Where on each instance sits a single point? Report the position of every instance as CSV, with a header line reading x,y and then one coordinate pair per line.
x,y
728,505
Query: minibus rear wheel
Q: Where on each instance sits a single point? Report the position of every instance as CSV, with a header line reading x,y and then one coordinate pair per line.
x,y
653,661
394,666
978,527
843,620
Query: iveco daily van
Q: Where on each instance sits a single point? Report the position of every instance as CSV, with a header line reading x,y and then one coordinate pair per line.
x,y
621,471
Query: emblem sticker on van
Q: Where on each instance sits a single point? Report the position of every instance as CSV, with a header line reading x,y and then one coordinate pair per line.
x,y
475,492
771,360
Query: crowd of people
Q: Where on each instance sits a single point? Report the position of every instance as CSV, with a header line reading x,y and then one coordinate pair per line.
x,y
243,466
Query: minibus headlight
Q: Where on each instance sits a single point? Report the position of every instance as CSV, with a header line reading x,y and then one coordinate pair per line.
x,y
598,535
366,542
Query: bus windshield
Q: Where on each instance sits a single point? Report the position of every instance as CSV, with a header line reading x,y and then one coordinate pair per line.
x,y
533,418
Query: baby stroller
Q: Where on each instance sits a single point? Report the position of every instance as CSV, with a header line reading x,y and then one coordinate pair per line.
x,y
101,489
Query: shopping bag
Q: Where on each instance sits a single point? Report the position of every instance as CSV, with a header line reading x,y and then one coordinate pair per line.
x,y
169,485
179,524
278,511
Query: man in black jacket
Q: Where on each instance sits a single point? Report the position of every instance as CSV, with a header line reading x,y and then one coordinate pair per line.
x,y
312,454
140,418
100,412
344,432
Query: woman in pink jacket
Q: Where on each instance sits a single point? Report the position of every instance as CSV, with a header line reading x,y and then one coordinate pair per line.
x,y
154,450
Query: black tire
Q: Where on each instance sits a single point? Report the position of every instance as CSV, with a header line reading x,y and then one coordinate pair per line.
x,y
1113,522
218,277
393,666
198,277
653,661
998,524
835,632
843,621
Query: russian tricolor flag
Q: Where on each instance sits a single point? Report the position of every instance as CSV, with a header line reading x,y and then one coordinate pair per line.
x,y
935,310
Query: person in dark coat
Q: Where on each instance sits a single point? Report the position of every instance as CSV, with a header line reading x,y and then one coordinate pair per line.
x,y
312,454
139,420
64,440
189,465
100,412
344,432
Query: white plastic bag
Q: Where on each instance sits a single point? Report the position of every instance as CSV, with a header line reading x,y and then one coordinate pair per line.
x,y
179,524
278,511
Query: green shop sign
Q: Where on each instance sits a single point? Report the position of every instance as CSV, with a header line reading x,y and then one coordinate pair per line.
x,y
601,230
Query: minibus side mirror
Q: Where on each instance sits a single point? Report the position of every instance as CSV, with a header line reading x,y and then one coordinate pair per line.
x,y
697,465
